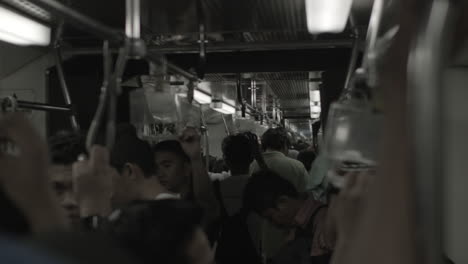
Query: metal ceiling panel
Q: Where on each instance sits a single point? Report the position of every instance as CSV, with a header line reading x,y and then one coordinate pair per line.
x,y
291,88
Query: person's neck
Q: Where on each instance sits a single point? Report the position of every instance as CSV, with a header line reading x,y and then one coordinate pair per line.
x,y
152,188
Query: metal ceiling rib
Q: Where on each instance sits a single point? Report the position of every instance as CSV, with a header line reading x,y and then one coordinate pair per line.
x,y
287,15
283,15
31,9
278,36
288,86
291,88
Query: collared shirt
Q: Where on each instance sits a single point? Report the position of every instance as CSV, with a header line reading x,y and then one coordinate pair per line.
x,y
312,219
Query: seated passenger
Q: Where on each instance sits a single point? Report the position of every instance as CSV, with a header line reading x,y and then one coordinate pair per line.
x,y
278,201
163,232
275,144
65,148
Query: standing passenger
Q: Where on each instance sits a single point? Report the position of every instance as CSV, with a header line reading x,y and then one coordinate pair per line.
x,y
180,168
238,155
275,144
64,148
130,177
276,200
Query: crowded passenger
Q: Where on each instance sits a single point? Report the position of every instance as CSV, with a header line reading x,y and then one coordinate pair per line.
x,y
110,181
25,183
275,146
65,148
277,200
238,155
166,232
181,169
240,229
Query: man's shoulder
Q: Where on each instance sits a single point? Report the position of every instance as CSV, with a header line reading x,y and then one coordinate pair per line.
x,y
292,162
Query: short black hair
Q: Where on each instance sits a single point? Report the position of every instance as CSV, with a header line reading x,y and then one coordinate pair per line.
x,y
237,151
307,157
128,148
264,189
66,146
275,138
157,231
171,146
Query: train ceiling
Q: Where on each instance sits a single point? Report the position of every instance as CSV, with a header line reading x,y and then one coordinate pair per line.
x,y
267,38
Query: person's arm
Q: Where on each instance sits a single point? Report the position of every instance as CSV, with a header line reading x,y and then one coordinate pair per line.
x,y
24,164
345,213
302,179
92,182
202,185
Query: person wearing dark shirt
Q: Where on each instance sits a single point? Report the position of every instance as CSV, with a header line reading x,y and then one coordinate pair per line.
x,y
164,231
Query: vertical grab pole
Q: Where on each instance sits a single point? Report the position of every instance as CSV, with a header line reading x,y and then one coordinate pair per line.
x,y
354,54
204,130
61,76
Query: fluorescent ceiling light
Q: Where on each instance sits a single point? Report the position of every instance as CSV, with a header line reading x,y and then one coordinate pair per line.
x,y
315,115
201,97
223,108
327,15
23,31
315,96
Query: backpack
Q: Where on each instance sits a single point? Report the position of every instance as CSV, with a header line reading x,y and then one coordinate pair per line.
x,y
234,242
298,250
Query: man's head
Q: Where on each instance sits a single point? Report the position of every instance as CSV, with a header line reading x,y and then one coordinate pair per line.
x,y
165,231
307,157
65,147
132,158
173,167
272,197
238,154
275,139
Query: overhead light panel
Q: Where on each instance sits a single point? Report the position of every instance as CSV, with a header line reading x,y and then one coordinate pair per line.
x,y
201,97
315,109
21,30
315,115
315,96
223,108
327,16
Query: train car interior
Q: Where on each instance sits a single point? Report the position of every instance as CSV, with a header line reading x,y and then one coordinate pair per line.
x,y
233,131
